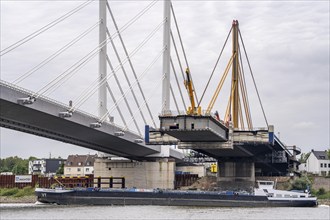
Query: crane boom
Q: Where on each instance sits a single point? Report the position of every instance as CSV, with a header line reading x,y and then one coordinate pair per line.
x,y
192,110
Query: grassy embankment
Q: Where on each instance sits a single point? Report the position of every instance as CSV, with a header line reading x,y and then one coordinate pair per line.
x,y
15,192
15,195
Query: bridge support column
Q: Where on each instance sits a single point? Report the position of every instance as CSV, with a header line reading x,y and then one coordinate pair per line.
x,y
102,101
144,175
236,175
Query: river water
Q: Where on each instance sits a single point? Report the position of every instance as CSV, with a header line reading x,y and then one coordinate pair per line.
x,y
42,211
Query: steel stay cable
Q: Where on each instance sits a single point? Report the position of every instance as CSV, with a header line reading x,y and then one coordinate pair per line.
x,y
105,42
63,75
241,70
177,56
215,66
120,88
144,103
244,97
220,84
54,55
114,100
228,114
126,53
69,75
255,85
74,66
135,82
240,114
90,93
44,28
127,79
177,82
174,99
183,50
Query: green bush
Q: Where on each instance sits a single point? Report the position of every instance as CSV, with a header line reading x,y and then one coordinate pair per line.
x,y
324,196
9,192
26,191
321,192
301,183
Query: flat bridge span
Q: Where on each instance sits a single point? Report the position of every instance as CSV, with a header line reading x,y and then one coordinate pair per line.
x,y
42,118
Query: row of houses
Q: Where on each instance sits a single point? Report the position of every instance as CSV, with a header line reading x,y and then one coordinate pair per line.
x,y
74,165
317,163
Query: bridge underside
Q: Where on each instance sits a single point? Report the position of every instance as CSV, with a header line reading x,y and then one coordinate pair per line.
x,y
250,153
22,118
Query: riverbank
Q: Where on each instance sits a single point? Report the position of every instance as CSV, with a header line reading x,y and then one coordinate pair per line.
x,y
23,199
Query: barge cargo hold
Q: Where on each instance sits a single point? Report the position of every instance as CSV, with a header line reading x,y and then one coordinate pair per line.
x,y
262,197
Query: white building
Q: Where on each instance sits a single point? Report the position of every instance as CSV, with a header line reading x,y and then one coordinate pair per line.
x,y
318,163
45,166
302,167
79,165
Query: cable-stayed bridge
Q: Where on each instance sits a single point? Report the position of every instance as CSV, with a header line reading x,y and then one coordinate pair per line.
x,y
232,140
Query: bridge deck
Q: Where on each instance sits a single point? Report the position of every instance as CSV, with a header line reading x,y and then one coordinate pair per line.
x,y
42,118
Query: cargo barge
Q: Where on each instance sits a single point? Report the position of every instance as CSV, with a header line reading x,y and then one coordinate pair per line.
x,y
263,196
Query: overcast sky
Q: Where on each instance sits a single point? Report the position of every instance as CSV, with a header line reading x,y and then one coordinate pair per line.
x,y
287,44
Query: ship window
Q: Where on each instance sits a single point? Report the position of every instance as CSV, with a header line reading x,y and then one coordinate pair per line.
x,y
294,196
287,196
278,195
302,196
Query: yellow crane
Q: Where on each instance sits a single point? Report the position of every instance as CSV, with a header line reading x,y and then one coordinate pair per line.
x,y
192,110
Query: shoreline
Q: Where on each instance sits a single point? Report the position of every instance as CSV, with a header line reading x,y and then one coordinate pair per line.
x,y
23,199
33,199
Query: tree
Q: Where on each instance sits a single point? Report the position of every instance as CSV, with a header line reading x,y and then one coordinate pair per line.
x,y
15,164
303,157
60,170
328,153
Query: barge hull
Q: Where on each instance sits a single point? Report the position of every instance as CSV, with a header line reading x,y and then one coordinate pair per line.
x,y
166,199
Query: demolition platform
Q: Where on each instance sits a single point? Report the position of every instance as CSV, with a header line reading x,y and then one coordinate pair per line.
x,y
188,128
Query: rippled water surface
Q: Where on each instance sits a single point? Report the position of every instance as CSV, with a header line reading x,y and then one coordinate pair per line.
x,y
41,211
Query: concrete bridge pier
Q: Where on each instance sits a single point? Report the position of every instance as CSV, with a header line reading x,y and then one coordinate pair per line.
x,y
159,173
235,175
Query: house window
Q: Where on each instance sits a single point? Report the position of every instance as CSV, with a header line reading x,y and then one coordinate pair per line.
x,y
79,164
321,165
68,169
88,163
325,165
329,165
78,169
87,169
